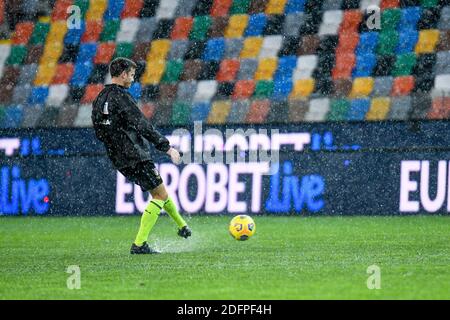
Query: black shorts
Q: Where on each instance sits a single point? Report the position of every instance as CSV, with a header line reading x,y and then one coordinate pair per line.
x,y
144,174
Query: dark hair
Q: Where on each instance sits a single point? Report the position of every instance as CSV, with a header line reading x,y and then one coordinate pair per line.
x,y
119,65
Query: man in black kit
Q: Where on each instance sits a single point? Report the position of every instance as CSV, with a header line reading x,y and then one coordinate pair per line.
x,y
126,134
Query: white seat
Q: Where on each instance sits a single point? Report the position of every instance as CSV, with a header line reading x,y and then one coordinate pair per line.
x,y
442,83
330,23
305,67
364,4
128,30
57,94
167,9
270,46
320,106
205,90
83,118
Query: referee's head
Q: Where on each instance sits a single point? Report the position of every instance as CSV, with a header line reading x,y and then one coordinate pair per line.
x,y
122,71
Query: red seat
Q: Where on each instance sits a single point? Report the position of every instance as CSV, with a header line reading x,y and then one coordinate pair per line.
x,y
228,70
220,8
344,65
60,10
351,21
402,86
259,109
243,89
63,73
386,4
22,33
105,52
348,41
181,28
132,8
92,91
148,109
93,30
440,108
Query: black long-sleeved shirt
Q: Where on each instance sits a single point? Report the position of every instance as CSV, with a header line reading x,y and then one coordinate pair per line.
x,y
123,129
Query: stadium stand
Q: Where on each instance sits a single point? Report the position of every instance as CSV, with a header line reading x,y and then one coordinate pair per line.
x,y
227,61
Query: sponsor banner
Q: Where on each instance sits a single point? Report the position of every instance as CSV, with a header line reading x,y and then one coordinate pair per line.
x,y
301,183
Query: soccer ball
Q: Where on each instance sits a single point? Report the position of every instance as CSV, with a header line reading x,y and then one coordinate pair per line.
x,y
242,227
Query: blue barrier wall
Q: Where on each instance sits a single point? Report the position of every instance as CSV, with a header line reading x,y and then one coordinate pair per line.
x,y
387,168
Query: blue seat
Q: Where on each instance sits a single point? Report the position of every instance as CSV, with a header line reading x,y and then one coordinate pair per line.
x,y
214,49
293,6
12,117
256,24
367,42
135,90
358,109
286,66
38,95
114,9
281,89
409,18
81,73
364,65
87,52
407,40
73,36
200,111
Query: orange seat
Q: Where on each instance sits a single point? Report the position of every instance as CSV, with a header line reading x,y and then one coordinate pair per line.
x,y
22,33
132,8
350,21
105,52
63,73
93,30
148,109
402,86
440,108
181,28
92,91
386,4
344,65
220,8
228,70
60,10
243,89
259,109
347,42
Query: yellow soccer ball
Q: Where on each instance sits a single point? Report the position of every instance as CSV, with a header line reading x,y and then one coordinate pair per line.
x,y
242,227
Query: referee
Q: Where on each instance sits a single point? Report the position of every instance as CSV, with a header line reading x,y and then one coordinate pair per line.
x,y
126,134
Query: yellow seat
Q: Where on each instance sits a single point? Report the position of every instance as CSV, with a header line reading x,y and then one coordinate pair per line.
x,y
219,112
427,41
266,69
275,7
52,51
362,87
158,50
153,72
45,74
96,9
236,26
57,31
302,88
251,47
379,108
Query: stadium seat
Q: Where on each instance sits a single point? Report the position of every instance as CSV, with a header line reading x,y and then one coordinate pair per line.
x,y
258,111
302,88
362,87
342,87
63,73
45,74
297,110
219,112
388,41
27,74
92,91
105,52
153,75
181,113
233,48
57,94
358,109
132,9
440,108
191,70
238,111
22,33
217,28
173,71
266,69
247,69
347,42
110,29
96,10
228,70
427,42
166,9
205,90
236,26
402,85
442,83
330,22
292,23
220,8
83,118
318,109
243,89
92,32
181,28
442,62
382,86
270,46
251,48
256,24
379,109
128,30
239,7
200,28
60,10
367,43
345,63
305,67
17,55
350,21
421,105
364,65
404,64
263,89
281,90
38,95
224,90
214,49
409,19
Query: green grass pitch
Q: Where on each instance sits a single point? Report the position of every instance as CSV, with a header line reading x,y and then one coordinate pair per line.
x,y
288,258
